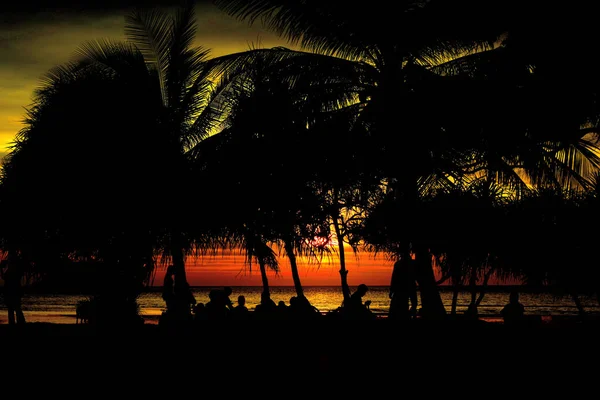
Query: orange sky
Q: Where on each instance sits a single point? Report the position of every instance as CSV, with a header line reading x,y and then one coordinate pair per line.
x,y
32,41
230,270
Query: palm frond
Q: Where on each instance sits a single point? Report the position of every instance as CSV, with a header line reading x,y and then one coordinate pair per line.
x,y
577,164
119,58
150,30
316,26
183,61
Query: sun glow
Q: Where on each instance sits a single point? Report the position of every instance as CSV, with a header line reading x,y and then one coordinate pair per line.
x,y
323,242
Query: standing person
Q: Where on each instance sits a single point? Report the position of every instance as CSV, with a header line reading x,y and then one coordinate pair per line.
x,y
403,291
179,299
168,293
13,292
184,300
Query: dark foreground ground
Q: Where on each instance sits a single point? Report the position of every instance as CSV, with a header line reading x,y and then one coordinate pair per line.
x,y
297,359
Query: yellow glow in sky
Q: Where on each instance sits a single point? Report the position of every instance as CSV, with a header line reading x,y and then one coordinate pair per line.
x,y
41,41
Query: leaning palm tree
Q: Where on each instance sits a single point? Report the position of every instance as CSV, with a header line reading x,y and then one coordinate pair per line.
x,y
263,142
225,164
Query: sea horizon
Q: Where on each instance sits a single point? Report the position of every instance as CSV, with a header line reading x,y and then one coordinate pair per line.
x,y
60,307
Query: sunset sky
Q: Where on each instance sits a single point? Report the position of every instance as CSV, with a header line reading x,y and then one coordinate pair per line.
x,y
230,270
35,38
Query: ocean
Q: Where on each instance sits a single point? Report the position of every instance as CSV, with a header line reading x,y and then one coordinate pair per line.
x,y
60,308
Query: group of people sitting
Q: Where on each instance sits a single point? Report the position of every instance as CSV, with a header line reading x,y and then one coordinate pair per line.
x,y
182,306
220,307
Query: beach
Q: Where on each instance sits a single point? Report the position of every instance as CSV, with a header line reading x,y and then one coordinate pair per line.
x,y
299,358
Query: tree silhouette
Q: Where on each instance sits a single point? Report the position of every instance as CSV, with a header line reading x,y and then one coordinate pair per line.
x,y
418,86
159,96
263,145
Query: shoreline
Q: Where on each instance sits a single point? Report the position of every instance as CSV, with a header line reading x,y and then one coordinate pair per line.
x,y
61,318
67,322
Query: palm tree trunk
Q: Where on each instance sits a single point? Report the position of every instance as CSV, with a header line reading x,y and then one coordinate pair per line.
x,y
473,288
183,294
484,286
343,270
457,283
454,298
433,306
178,258
263,276
431,301
289,250
578,304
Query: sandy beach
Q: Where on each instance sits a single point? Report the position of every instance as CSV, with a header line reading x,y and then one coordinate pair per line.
x,y
316,357
382,328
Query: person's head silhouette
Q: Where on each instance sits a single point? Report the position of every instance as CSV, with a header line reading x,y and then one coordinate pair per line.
x,y
362,289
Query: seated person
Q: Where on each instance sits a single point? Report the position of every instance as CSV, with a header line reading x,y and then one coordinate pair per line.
x,y
514,311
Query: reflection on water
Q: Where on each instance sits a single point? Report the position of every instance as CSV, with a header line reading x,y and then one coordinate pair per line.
x,y
61,308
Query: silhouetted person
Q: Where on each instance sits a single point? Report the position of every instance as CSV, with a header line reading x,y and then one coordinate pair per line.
x,y
168,293
178,297
13,292
267,308
403,291
199,312
219,305
355,308
240,311
185,300
293,308
514,312
282,307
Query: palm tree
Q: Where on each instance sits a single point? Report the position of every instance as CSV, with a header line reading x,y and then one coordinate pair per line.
x,y
468,220
242,221
167,92
428,75
546,249
387,70
263,143
82,207
182,82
